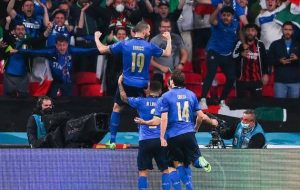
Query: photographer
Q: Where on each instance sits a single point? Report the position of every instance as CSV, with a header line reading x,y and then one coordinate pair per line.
x,y
247,133
44,128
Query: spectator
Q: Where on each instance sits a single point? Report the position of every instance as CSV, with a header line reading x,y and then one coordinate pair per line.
x,y
33,23
162,8
284,56
61,64
178,56
17,67
246,134
270,30
220,48
239,7
252,67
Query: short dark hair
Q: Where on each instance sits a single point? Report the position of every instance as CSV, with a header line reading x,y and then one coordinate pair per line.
x,y
59,12
155,86
18,24
165,20
247,26
178,78
61,38
251,112
26,1
141,26
288,23
227,9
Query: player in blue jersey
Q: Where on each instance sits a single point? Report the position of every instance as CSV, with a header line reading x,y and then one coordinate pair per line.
x,y
136,55
176,110
149,141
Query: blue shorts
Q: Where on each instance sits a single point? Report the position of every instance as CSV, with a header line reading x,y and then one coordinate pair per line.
x,y
131,91
149,149
184,148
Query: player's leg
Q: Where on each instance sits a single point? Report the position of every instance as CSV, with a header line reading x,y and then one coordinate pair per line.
x,y
192,152
143,180
174,178
177,155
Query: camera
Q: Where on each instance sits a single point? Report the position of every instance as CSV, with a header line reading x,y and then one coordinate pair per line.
x,y
216,140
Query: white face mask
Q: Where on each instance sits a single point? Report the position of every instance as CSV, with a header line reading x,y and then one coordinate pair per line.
x,y
120,8
245,126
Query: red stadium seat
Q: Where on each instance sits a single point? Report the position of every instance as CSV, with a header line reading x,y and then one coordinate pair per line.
x,y
192,78
1,89
86,78
188,67
196,88
268,89
90,90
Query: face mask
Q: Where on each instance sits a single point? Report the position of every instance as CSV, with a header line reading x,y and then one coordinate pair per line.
x,y
47,111
120,8
245,126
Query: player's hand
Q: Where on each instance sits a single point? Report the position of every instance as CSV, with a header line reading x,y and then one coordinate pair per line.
x,y
138,120
166,36
265,79
163,142
98,34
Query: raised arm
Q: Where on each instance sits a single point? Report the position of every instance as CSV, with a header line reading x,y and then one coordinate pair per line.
x,y
167,52
10,9
102,48
213,19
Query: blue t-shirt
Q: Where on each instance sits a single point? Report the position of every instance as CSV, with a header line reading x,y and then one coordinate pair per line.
x,y
137,54
223,37
145,108
181,104
238,9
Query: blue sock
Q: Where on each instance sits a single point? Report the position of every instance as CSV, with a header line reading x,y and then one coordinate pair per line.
x,y
114,125
165,180
197,164
188,172
142,183
175,180
184,178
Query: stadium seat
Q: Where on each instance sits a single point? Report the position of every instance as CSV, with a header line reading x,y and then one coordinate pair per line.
x,y
196,88
1,89
193,78
90,90
188,67
268,89
86,78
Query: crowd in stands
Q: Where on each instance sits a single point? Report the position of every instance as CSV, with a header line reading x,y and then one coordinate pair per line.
x,y
226,48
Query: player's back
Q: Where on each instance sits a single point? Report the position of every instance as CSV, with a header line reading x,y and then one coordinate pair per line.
x,y
146,108
137,54
180,104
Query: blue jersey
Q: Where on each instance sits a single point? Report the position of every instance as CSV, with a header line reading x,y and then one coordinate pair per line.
x,y
33,25
146,109
60,64
181,104
137,54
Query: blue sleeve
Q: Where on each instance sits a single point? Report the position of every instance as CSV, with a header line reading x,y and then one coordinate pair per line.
x,y
156,51
158,108
116,48
75,50
164,105
134,102
239,11
40,52
216,2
